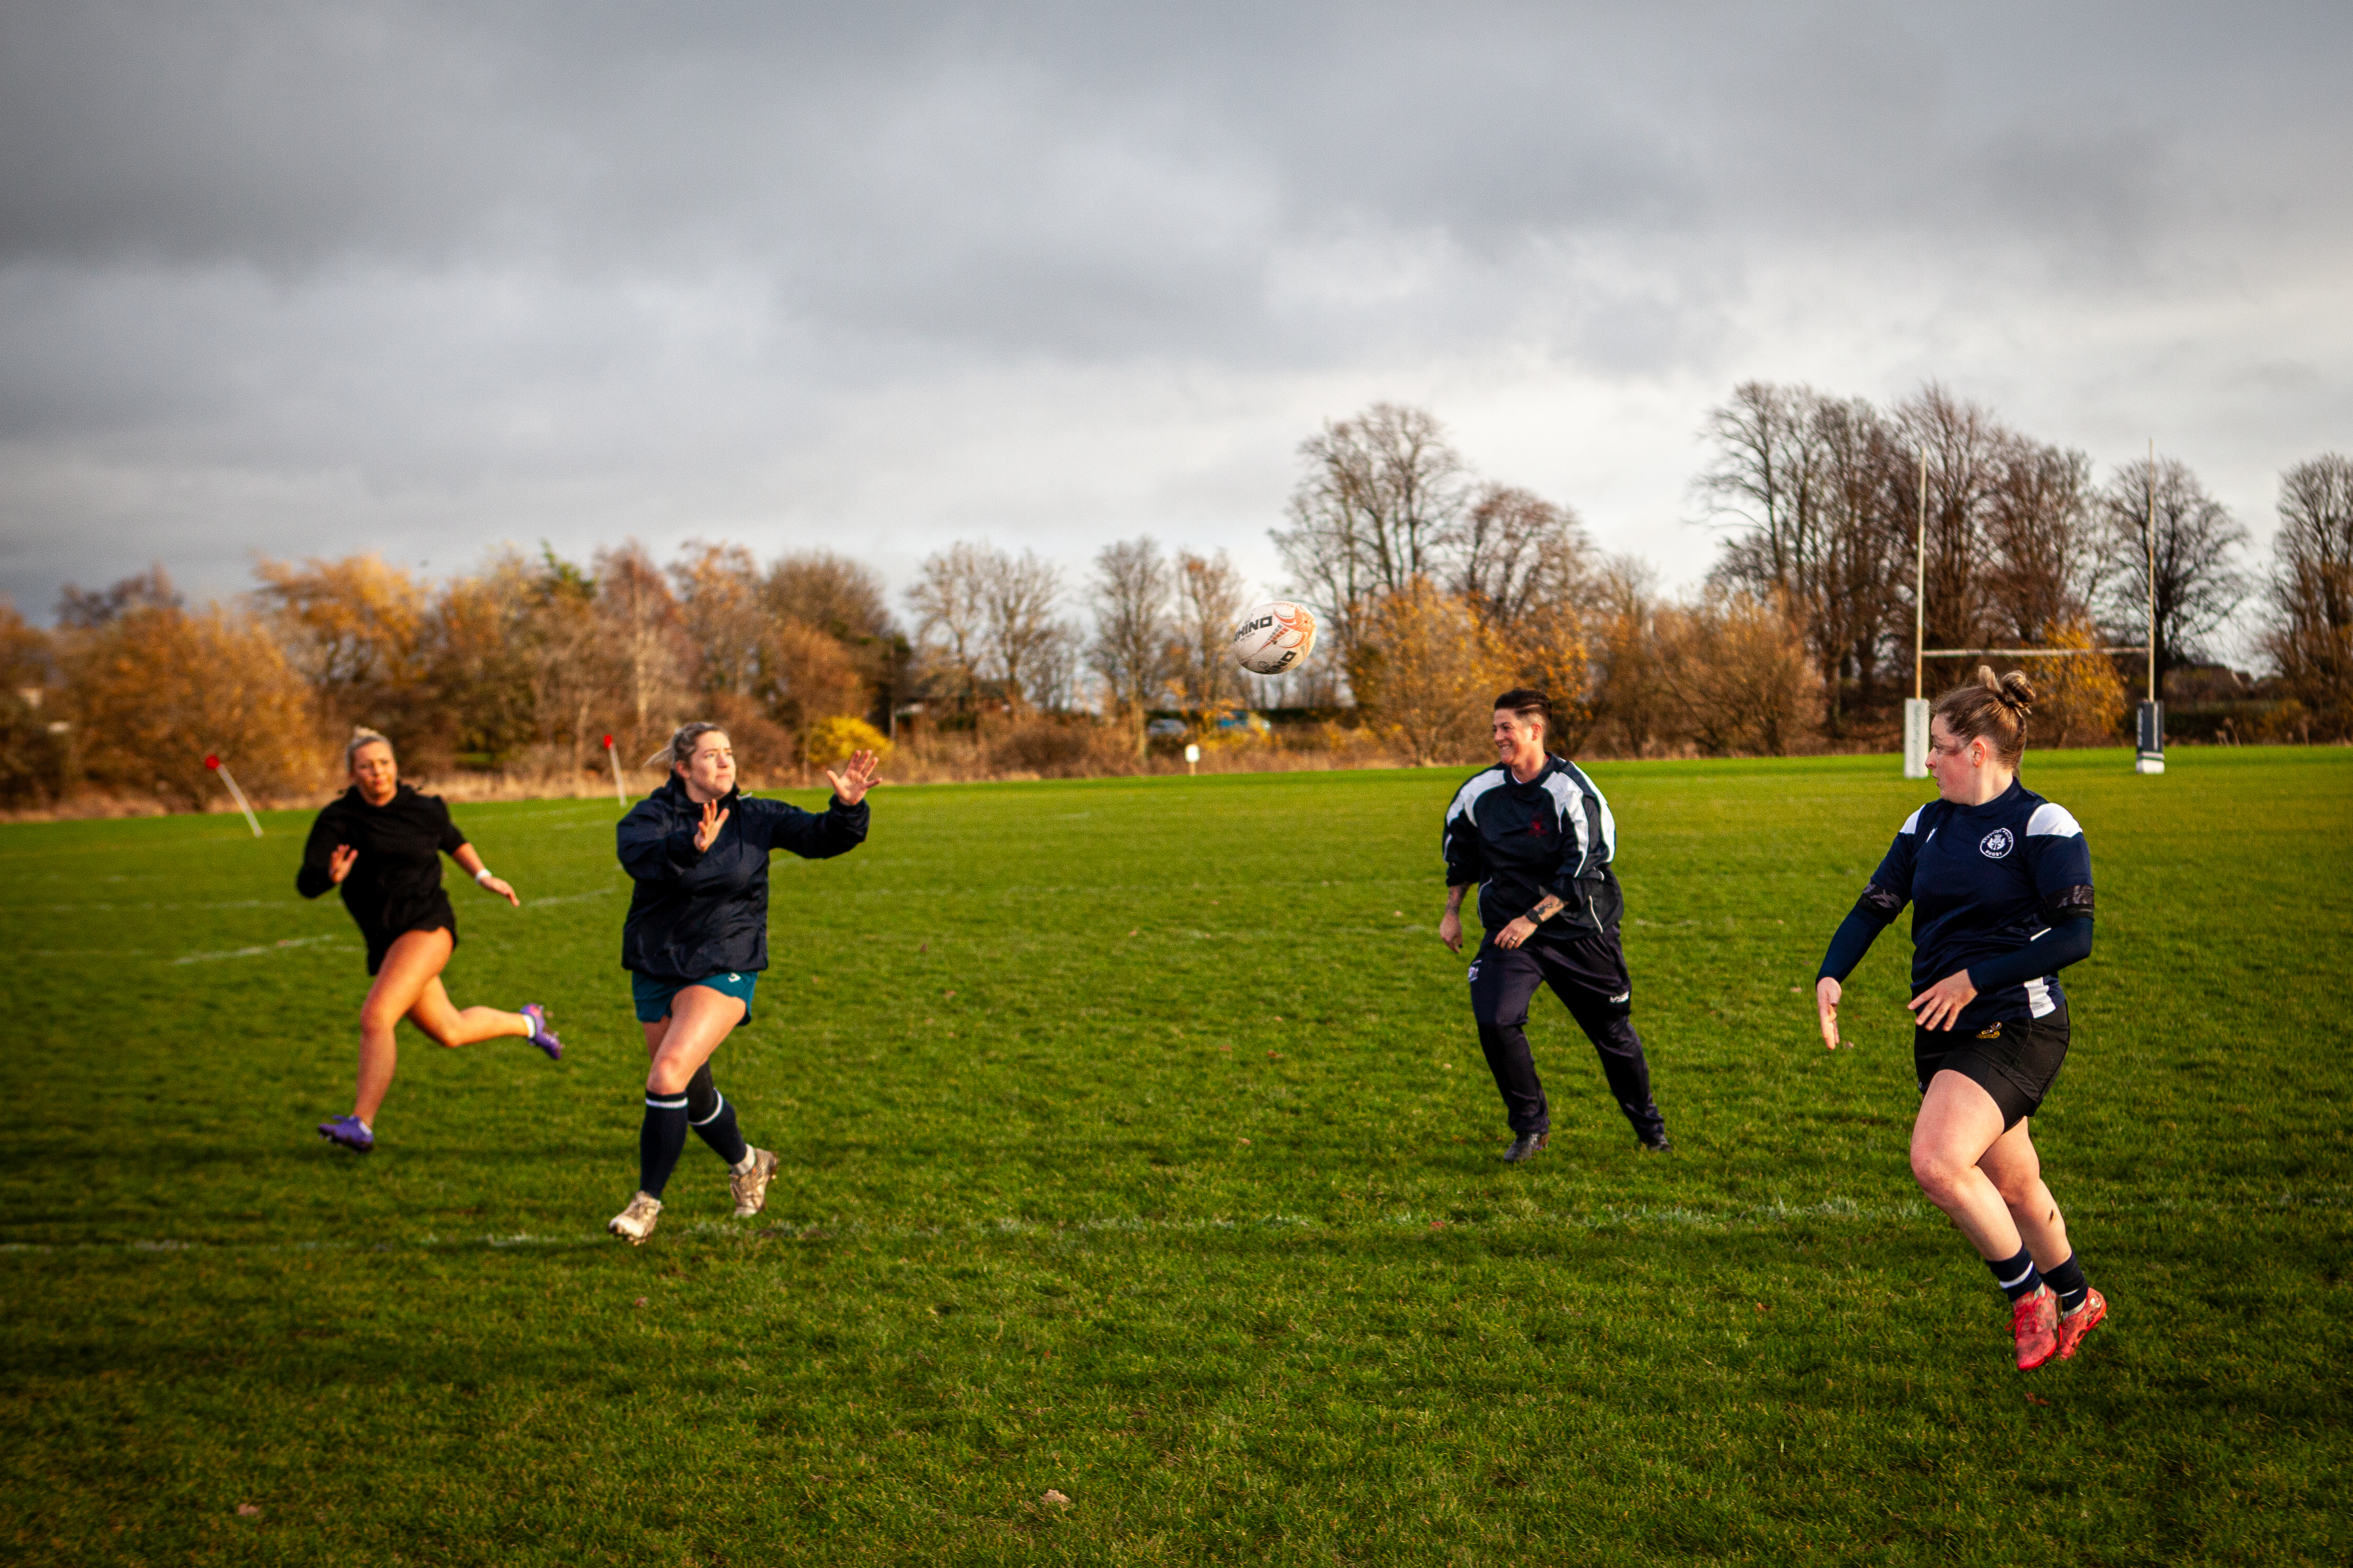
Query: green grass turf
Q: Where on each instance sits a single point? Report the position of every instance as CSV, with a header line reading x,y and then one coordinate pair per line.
x,y
1137,1144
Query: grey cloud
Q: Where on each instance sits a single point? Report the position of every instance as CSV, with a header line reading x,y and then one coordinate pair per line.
x,y
587,266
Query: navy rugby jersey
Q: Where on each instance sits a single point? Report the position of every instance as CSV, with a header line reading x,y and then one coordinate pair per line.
x,y
1520,841
1983,882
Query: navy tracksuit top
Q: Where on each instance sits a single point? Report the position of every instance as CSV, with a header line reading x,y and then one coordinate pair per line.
x,y
1520,841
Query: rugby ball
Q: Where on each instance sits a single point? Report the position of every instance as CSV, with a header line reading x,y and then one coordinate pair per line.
x,y
1275,638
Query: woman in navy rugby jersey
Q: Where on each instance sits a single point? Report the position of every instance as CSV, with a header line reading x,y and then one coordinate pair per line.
x,y
1999,882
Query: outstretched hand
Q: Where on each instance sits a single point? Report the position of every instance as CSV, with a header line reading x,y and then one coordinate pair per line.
x,y
1827,992
856,777
339,862
1939,1007
500,886
707,832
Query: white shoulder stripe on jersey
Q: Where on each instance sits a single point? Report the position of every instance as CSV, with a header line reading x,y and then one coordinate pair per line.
x,y
2053,821
1608,821
1912,822
1472,788
1466,800
1571,801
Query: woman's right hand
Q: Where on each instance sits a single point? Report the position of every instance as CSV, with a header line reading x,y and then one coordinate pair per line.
x,y
340,863
1825,1000
714,819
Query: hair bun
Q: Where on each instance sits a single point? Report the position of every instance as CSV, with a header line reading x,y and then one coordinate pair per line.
x,y
2017,692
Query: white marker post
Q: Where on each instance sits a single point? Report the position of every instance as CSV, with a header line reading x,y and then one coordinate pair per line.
x,y
618,798
235,793
1192,759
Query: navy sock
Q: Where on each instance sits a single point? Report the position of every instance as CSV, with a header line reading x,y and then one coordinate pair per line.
x,y
2068,1280
718,1130
660,1141
2016,1276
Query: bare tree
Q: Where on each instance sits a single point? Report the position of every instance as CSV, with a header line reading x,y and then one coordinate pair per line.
x,y
2310,634
950,599
637,619
1967,454
1378,505
1807,482
1766,480
1132,633
1019,598
1210,597
2197,586
2041,544
1050,678
1517,554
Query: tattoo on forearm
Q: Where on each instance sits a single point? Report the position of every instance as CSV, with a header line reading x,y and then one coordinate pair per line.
x,y
1547,907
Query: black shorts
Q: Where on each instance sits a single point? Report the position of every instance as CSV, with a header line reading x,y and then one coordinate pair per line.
x,y
2014,1062
428,914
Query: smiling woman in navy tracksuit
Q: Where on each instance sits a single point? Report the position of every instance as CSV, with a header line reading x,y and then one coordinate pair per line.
x,y
697,938
1534,836
1999,882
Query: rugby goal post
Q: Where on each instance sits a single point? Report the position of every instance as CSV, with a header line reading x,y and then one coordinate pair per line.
x,y
2150,748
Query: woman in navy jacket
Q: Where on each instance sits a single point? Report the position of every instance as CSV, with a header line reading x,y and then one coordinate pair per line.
x,y
1999,882
697,938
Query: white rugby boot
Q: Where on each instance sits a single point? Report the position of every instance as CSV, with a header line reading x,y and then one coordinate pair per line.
x,y
751,1186
637,1222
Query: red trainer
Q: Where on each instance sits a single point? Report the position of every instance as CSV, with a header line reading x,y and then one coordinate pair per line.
x,y
2034,1324
2074,1325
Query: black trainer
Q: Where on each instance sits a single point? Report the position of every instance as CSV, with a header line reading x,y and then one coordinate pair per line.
x,y
1525,1147
1659,1145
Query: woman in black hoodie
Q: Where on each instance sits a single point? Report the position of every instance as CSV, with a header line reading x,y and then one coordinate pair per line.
x,y
380,844
697,938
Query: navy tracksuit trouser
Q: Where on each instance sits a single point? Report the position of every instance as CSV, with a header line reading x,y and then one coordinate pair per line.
x,y
1588,974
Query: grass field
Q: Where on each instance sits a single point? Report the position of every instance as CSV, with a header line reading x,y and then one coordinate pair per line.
x,y
1137,1145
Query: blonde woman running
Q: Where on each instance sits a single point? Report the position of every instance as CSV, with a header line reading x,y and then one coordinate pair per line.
x,y
380,843
696,939
1999,882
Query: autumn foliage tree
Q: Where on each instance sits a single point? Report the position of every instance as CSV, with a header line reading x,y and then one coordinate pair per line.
x,y
154,688
1427,668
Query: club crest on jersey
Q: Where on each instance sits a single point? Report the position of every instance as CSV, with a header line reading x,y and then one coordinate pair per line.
x,y
1996,844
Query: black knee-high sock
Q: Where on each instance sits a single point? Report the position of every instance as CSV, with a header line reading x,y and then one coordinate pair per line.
x,y
660,1141
718,1130
2068,1280
2016,1276
708,1112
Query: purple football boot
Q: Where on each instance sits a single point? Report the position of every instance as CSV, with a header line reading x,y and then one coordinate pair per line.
x,y
348,1132
541,1035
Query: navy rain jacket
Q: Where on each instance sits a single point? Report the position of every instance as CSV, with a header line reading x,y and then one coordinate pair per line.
x,y
699,913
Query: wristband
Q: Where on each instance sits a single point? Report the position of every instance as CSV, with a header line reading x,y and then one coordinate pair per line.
x,y
482,876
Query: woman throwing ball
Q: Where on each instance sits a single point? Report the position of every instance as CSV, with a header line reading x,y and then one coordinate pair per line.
x,y
381,843
2000,886
696,939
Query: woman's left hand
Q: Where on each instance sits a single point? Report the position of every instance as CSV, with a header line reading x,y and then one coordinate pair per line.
x,y
499,885
1938,1007
1518,932
856,777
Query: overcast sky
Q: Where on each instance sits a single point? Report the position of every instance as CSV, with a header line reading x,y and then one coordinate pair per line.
x,y
300,280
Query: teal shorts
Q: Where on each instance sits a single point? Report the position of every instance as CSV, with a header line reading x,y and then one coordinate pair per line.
x,y
652,993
